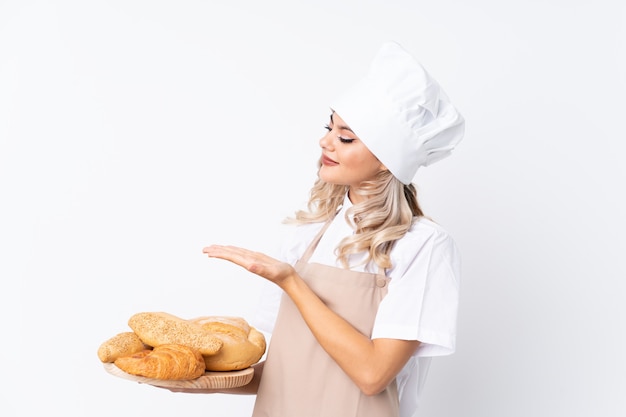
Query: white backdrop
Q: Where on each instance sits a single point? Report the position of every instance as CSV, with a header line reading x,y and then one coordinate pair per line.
x,y
133,133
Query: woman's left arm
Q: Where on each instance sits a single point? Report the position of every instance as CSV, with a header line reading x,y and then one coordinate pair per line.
x,y
371,364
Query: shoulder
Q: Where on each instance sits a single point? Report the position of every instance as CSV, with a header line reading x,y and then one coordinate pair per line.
x,y
426,232
425,245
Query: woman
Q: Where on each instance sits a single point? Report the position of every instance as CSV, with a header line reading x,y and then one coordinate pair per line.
x,y
369,285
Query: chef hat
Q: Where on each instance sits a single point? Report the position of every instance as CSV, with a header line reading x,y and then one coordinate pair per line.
x,y
401,113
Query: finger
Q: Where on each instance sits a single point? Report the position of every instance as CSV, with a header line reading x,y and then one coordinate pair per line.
x,y
230,252
218,251
242,257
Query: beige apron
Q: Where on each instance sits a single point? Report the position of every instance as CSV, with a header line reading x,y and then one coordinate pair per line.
x,y
299,378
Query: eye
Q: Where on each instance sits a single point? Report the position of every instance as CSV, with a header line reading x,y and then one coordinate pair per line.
x,y
341,139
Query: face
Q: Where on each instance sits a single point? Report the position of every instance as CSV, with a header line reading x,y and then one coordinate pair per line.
x,y
345,159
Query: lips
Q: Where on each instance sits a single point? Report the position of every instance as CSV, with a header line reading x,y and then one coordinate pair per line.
x,y
327,161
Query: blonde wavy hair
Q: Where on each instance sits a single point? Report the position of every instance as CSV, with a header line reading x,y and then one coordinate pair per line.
x,y
386,214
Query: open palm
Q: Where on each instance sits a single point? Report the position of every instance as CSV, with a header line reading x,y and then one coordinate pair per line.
x,y
255,262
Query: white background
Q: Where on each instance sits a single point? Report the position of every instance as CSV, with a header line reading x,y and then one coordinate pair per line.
x,y
133,133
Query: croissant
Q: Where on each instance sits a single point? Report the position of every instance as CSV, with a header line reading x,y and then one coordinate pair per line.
x,y
242,345
122,344
168,362
156,329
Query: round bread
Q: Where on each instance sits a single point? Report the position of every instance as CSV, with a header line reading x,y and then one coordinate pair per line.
x,y
242,345
166,362
122,344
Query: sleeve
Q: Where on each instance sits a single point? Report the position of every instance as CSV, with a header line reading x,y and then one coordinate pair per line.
x,y
267,308
422,300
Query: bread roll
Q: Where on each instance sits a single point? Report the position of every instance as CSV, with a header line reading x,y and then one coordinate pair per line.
x,y
159,328
242,345
122,344
169,362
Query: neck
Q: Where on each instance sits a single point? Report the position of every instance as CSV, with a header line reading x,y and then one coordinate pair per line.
x,y
355,198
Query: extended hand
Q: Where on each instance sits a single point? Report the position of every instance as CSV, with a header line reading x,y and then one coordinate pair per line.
x,y
255,262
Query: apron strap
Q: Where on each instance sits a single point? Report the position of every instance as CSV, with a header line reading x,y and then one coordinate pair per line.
x,y
309,251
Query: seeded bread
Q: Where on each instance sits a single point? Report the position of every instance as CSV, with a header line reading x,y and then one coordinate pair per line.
x,y
122,344
159,328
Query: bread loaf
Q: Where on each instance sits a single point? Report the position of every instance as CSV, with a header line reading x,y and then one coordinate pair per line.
x,y
122,344
167,362
242,345
159,328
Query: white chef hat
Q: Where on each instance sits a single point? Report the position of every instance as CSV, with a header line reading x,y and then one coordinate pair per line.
x,y
401,113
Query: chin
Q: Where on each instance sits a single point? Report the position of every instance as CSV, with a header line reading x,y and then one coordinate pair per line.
x,y
328,179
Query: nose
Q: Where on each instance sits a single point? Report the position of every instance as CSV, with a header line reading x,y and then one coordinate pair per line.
x,y
326,141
